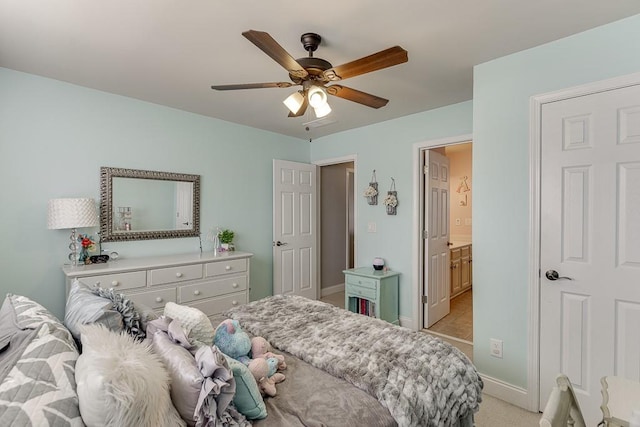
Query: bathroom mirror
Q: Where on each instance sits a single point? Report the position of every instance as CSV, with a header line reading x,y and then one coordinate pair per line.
x,y
142,205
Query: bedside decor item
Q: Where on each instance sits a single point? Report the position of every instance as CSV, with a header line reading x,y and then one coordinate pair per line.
x,y
72,213
391,200
86,245
378,263
371,192
226,239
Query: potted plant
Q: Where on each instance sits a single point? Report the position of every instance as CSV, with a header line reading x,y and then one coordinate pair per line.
x,y
226,239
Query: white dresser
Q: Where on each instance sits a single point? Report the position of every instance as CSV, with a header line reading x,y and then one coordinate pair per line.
x,y
210,283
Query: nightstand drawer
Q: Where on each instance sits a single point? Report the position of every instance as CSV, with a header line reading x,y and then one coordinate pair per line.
x,y
221,304
359,291
183,273
134,279
154,299
211,289
362,281
225,267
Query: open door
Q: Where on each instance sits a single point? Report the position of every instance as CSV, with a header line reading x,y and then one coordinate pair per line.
x,y
184,205
437,273
294,229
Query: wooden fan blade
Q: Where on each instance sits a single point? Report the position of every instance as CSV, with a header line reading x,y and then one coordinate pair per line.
x,y
302,110
377,61
252,86
268,45
357,96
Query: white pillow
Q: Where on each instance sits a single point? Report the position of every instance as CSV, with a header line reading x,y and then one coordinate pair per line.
x,y
195,323
121,382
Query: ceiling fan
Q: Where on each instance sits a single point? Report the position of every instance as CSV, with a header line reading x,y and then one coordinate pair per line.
x,y
314,73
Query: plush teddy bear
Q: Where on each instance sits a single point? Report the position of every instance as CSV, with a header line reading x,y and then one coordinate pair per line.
x,y
232,340
260,348
267,384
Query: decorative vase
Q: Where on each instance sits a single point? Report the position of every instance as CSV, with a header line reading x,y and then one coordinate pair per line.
x,y
83,256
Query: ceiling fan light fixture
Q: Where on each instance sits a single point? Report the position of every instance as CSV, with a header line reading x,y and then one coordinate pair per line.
x,y
322,110
294,102
317,96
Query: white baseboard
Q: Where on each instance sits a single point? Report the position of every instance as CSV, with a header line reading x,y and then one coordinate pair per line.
x,y
504,391
331,290
407,322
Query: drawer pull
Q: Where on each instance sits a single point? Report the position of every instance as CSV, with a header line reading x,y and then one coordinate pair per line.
x,y
235,285
228,267
158,299
115,283
178,274
234,302
196,292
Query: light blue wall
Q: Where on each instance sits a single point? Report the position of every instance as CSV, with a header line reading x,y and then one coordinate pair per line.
x,y
387,147
55,136
502,91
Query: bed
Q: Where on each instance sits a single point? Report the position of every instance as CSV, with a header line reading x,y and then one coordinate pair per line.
x,y
349,369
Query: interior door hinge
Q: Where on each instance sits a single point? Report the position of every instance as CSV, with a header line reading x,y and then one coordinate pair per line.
x,y
425,234
424,299
425,169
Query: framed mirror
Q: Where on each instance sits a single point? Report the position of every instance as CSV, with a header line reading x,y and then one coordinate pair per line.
x,y
143,205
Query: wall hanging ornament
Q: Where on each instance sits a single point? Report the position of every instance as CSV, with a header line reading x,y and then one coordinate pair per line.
x,y
391,200
371,193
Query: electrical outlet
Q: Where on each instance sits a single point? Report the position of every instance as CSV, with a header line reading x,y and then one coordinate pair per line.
x,y
495,347
457,221
371,227
467,221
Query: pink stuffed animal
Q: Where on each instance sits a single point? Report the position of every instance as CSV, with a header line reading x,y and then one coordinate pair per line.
x,y
260,348
260,370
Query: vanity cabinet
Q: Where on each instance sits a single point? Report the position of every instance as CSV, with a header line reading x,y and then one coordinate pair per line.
x,y
372,292
211,283
460,269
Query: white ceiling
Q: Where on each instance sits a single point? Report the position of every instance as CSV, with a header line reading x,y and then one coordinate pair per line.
x,y
171,52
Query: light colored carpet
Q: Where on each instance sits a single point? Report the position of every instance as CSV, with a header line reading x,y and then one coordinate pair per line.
x,y
498,413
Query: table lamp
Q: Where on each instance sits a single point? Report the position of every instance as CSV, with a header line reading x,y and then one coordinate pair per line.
x,y
73,214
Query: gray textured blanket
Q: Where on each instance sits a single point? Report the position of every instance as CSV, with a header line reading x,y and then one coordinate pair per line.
x,y
419,378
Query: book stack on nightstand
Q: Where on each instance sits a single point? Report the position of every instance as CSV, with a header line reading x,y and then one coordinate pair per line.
x,y
372,292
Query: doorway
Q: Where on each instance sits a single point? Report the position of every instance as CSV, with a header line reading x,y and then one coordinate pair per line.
x,y
447,259
337,227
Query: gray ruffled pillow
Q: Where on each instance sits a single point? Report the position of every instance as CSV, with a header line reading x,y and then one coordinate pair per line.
x,y
85,308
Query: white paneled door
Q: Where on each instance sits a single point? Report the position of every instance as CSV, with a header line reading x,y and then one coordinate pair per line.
x,y
294,229
437,270
590,243
184,205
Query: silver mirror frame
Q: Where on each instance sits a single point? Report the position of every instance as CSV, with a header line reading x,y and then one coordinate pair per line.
x,y
107,233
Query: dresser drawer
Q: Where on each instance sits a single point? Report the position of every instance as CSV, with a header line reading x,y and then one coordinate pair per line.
x,y
212,288
220,304
225,267
134,279
465,251
361,281
359,291
154,299
183,273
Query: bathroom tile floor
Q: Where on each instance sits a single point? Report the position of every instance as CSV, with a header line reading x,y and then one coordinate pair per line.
x,y
459,322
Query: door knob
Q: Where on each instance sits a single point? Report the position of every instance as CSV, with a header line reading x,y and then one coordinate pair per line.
x,y
279,243
553,275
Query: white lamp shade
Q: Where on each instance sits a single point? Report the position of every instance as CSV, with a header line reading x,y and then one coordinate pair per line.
x,y
322,110
294,102
317,96
72,213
